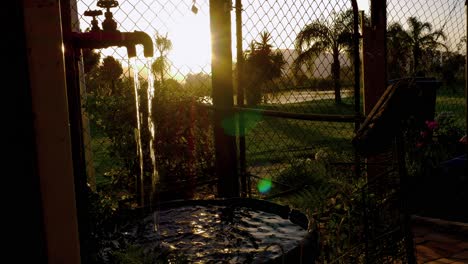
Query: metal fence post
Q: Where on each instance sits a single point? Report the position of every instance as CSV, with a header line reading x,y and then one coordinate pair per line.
x,y
225,144
240,99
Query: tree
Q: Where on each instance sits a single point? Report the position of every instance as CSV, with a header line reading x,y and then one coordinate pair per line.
x,y
398,51
161,64
262,65
413,50
421,40
198,84
451,69
112,116
90,60
318,37
110,72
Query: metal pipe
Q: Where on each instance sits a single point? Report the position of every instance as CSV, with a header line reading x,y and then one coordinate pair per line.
x,y
103,39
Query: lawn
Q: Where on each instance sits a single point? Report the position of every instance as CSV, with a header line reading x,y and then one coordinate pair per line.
x,y
452,101
272,139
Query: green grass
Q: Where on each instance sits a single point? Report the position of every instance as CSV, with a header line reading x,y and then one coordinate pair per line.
x,y
452,101
274,139
325,106
278,139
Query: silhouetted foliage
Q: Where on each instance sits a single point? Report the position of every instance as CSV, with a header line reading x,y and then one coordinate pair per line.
x,y
161,64
452,68
262,65
109,73
319,37
198,84
398,52
414,50
184,146
90,60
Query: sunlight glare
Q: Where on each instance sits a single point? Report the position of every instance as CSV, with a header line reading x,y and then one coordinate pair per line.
x,y
363,5
191,44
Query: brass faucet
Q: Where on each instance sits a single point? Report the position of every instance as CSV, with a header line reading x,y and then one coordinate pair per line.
x,y
109,36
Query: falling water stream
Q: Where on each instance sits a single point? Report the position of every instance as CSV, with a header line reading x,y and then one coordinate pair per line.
x,y
152,130
136,82
152,133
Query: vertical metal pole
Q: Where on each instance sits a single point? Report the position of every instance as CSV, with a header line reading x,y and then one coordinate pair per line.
x,y
404,196
358,114
366,223
221,66
357,82
240,98
466,77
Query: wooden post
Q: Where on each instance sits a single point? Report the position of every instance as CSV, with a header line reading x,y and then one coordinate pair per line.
x,y
55,164
221,66
374,71
375,84
375,63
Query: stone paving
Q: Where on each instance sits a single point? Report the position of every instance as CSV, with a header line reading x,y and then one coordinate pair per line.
x,y
439,241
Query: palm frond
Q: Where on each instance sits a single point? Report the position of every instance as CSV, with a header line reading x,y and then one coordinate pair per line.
x,y
313,32
309,54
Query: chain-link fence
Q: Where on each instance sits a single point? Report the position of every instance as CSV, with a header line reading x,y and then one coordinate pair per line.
x,y
294,80
117,87
428,39
291,68
298,71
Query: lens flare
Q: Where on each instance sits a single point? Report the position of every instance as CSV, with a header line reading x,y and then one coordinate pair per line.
x,y
250,120
264,185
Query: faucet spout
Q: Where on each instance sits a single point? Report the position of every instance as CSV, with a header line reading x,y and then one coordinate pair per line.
x,y
140,37
103,39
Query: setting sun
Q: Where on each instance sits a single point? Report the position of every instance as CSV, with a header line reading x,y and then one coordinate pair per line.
x,y
191,50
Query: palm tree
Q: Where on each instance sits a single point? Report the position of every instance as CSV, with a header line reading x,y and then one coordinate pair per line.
x,y
317,38
398,51
161,64
262,65
421,39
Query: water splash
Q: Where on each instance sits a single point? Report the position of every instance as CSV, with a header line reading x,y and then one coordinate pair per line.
x,y
137,87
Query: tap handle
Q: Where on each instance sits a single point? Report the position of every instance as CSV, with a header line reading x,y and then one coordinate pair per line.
x,y
107,4
93,14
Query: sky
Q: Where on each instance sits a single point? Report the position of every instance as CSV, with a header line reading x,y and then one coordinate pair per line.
x,y
190,33
448,15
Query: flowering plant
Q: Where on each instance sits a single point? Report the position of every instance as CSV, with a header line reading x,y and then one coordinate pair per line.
x,y
435,142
